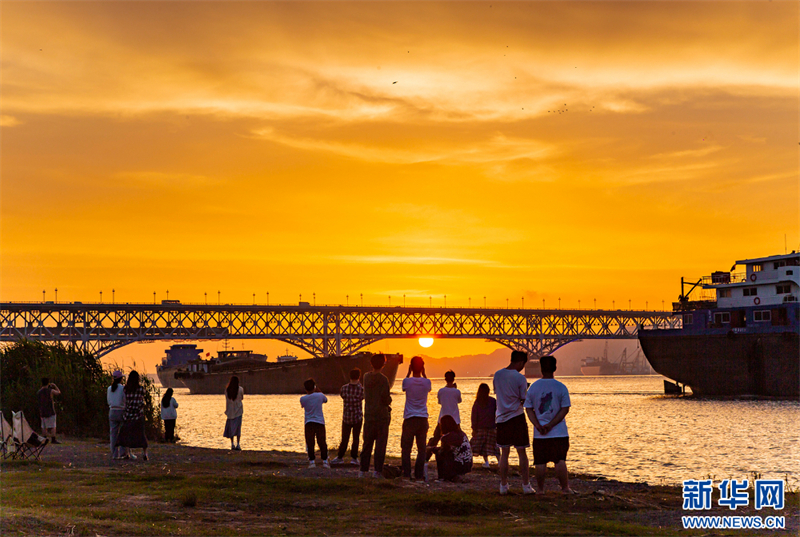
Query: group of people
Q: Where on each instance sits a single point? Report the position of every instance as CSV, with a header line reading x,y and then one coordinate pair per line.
x,y
126,415
497,424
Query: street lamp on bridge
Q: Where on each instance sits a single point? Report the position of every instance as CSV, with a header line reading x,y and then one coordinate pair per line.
x,y
112,296
219,299
43,300
101,297
56,295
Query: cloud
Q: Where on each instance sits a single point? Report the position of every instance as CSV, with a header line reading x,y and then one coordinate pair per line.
x,y
8,121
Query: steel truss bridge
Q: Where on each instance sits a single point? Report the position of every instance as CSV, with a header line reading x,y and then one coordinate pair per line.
x,y
320,330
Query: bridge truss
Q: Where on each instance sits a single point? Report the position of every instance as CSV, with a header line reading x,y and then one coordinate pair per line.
x,y
319,330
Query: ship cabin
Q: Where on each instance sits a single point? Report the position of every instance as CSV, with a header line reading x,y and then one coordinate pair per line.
x,y
179,355
762,298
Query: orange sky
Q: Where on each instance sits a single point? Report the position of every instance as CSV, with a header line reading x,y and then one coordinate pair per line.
x,y
546,150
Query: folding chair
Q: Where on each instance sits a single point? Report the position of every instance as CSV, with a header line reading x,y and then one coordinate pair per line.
x,y
7,447
27,443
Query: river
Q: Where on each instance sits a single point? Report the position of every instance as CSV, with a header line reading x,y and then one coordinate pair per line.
x,y
621,427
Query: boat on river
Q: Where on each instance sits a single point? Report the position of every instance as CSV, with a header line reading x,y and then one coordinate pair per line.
x,y
740,334
282,377
177,356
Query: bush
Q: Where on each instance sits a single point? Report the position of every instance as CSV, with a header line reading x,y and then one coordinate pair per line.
x,y
81,408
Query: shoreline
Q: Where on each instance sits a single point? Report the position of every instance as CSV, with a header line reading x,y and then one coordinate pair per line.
x,y
186,490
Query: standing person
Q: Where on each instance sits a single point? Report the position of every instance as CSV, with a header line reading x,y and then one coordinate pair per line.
x,y
449,397
132,433
47,410
547,404
484,431
115,395
454,456
234,395
377,415
314,422
169,414
510,387
415,417
352,416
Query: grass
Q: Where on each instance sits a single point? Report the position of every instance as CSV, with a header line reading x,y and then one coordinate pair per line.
x,y
271,494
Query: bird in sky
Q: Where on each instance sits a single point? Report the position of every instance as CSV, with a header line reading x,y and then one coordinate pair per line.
x,y
395,82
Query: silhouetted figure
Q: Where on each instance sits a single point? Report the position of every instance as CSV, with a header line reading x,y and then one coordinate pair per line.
x,y
314,423
377,415
415,417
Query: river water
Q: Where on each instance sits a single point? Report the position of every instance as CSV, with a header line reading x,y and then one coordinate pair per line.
x,y
621,427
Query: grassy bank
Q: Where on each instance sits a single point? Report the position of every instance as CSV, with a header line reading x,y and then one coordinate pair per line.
x,y
194,491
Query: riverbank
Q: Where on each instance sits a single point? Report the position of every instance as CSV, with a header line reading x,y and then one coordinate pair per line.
x,y
197,491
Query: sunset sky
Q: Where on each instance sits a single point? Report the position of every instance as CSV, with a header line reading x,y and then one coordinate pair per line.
x,y
542,150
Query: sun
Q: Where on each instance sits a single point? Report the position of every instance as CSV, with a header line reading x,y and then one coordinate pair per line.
x,y
426,341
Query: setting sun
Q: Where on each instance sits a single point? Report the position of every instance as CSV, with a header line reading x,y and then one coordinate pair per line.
x,y
426,341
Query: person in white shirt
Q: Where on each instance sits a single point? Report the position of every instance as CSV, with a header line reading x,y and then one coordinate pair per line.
x,y
234,408
547,404
449,397
512,430
115,395
314,423
415,417
169,414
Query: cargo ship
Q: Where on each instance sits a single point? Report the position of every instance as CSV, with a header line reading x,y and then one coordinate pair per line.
x,y
177,356
743,338
623,366
282,377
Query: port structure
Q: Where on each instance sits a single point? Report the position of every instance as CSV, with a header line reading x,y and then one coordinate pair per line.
x,y
318,330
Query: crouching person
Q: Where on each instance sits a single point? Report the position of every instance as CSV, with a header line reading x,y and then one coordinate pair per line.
x,y
454,455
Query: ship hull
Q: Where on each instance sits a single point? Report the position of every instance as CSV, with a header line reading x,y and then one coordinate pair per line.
x,y
761,364
330,374
166,376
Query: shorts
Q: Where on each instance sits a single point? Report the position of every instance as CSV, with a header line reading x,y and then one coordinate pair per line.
x,y
513,432
550,449
49,422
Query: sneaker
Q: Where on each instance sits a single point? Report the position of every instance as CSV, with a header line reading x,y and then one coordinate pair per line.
x,y
503,489
361,474
132,457
354,462
325,464
144,457
337,460
377,475
485,465
54,441
312,464
237,448
527,489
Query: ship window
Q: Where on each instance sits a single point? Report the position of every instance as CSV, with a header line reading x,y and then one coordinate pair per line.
x,y
722,317
789,272
688,319
779,264
764,315
750,291
724,293
783,289
757,267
